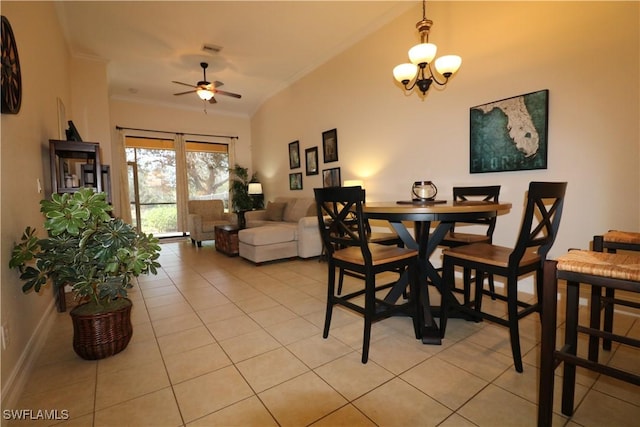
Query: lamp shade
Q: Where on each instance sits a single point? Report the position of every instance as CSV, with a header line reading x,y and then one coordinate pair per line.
x,y
405,72
255,188
204,94
353,183
448,64
422,53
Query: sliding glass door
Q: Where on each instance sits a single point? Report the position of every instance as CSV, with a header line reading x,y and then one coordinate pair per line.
x,y
152,185
155,167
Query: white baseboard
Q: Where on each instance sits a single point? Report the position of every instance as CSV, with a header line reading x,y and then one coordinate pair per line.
x,y
15,384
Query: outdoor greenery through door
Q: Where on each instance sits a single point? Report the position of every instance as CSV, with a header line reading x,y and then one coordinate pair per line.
x,y
153,168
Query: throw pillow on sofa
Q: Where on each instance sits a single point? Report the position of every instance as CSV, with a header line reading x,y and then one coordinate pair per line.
x,y
275,211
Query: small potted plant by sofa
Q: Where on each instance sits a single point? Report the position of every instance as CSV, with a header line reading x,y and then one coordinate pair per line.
x,y
96,255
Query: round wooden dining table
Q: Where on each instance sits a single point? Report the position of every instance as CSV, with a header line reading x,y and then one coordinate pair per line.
x,y
426,240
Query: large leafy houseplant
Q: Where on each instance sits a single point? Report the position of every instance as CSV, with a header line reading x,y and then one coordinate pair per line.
x,y
241,199
86,248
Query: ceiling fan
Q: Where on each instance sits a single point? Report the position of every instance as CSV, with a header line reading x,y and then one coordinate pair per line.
x,y
206,89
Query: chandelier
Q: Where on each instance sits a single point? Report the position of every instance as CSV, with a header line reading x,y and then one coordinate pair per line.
x,y
421,56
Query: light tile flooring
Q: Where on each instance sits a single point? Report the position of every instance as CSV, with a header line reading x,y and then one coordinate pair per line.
x,y
219,341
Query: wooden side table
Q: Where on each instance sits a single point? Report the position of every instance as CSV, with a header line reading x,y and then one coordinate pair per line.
x,y
227,239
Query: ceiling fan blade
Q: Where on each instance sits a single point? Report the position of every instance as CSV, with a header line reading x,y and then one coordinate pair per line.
x,y
217,83
184,93
222,92
213,100
185,84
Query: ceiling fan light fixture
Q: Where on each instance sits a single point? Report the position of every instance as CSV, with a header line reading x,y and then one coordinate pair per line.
x,y
204,94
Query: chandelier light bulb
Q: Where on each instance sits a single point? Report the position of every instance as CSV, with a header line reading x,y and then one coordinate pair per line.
x,y
448,64
405,72
422,53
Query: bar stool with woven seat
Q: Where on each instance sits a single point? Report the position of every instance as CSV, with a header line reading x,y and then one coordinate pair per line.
x,y
453,239
345,237
597,269
611,242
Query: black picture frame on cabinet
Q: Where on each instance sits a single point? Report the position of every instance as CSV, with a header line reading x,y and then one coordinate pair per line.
x,y
72,132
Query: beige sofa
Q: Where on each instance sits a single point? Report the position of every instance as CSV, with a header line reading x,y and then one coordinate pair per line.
x,y
287,228
203,216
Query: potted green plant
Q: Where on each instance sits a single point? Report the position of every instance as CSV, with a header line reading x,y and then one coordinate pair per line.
x,y
96,255
241,200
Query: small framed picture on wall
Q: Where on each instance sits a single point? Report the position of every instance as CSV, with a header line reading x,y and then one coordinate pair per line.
x,y
294,154
311,157
330,145
331,177
295,181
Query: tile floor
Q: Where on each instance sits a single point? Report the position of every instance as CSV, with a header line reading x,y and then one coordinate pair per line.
x,y
218,341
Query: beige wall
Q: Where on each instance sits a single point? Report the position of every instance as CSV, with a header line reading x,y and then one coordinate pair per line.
x,y
508,48
24,155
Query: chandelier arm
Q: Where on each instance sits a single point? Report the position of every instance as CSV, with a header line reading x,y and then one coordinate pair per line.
x,y
416,79
433,76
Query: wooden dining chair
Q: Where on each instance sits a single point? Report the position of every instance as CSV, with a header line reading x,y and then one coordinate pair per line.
x,y
537,233
344,233
379,237
453,239
611,242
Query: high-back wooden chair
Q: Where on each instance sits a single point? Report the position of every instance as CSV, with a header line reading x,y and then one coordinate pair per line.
x,y
537,233
344,233
453,239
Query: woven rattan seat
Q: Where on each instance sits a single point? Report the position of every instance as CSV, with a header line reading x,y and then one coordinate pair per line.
x,y
615,266
616,236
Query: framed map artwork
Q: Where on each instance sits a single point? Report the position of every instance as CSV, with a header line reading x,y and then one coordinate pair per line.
x,y
510,134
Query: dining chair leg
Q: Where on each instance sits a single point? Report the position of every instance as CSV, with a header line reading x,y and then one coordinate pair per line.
x,y
414,300
547,345
331,283
448,283
369,313
477,303
466,280
608,316
512,316
340,281
540,288
492,286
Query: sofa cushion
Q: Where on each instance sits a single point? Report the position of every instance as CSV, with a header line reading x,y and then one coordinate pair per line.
x,y
267,235
298,208
275,211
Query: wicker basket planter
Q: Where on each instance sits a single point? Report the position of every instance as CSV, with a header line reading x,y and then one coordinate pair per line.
x,y
96,336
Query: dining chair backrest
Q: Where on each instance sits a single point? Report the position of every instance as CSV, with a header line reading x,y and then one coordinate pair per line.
x,y
341,219
541,219
487,193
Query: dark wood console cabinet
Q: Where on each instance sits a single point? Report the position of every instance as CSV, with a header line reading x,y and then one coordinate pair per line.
x,y
76,164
